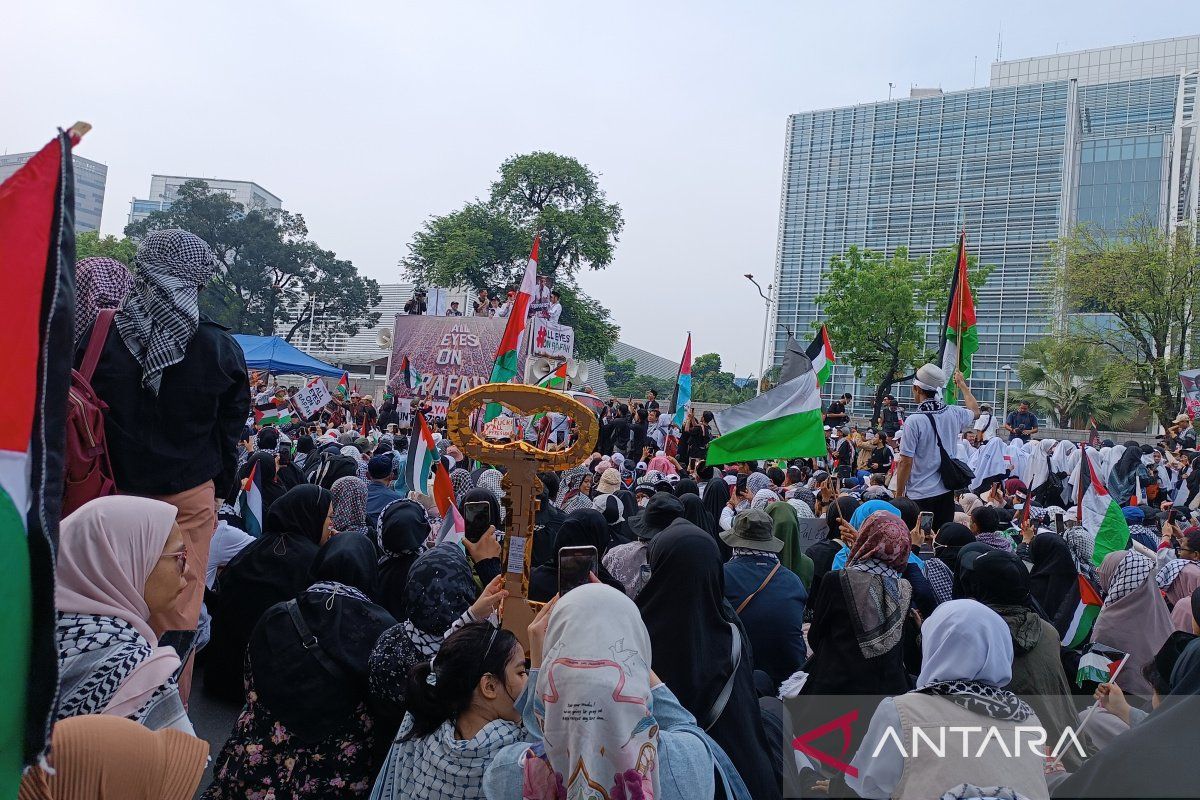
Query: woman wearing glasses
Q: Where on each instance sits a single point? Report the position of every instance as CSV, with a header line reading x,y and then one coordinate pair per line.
x,y
121,560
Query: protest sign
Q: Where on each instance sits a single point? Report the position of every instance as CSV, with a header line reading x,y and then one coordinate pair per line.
x,y
312,398
501,427
552,340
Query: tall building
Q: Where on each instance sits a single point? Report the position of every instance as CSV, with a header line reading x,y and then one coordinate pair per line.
x,y
90,178
1094,136
164,189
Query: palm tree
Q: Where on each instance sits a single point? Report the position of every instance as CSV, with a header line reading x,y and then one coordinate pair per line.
x,y
1071,382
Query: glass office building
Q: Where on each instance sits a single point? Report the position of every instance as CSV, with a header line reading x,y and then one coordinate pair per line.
x,y
1095,136
90,179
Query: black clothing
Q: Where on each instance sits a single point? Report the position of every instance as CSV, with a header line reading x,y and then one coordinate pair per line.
x,y
822,555
388,415
352,560
547,521
580,529
1054,573
1022,422
691,627
403,528
836,415
614,435
890,418
186,434
941,506
267,478
270,570
880,459
637,440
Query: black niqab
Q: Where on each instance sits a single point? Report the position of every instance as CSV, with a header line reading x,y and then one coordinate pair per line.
x,y
1054,574
581,528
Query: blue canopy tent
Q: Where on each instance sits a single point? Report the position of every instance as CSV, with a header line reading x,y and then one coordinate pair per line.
x,y
274,355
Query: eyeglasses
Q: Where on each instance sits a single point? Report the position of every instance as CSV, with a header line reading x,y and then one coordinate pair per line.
x,y
180,557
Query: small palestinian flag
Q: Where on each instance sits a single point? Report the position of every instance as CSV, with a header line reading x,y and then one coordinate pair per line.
x,y
1094,434
271,414
1099,664
454,527
1079,628
422,453
343,385
683,385
409,374
443,488
1099,513
820,353
556,379
961,338
250,503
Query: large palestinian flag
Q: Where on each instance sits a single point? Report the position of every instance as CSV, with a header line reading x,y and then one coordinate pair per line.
x,y
422,452
783,422
507,354
37,258
683,386
961,338
1098,512
820,353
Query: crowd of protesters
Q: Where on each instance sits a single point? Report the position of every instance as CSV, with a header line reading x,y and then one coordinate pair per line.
x,y
368,656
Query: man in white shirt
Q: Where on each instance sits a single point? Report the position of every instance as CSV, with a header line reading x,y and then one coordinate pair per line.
x,y
987,424
917,474
554,311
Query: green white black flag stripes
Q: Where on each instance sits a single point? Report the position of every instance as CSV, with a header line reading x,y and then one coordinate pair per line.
x,y
784,422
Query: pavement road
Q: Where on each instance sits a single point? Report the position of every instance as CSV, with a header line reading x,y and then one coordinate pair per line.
x,y
213,720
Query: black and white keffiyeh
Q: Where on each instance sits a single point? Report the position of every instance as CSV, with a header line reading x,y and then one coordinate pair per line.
x,y
981,698
1169,572
161,313
95,656
1130,574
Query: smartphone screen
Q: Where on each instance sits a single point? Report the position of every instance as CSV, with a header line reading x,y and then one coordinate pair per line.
x,y
1058,524
477,517
925,521
574,564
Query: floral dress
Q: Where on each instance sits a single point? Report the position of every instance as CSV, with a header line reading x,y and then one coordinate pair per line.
x,y
263,761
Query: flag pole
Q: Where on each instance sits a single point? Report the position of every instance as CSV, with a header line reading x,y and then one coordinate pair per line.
x,y
1111,679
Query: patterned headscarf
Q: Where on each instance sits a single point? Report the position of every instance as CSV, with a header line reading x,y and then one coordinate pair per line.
x,y
99,283
756,482
569,497
461,480
1131,572
884,538
490,479
763,498
161,313
349,506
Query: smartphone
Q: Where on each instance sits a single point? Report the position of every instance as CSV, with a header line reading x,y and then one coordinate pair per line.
x,y
1058,524
574,564
1170,513
925,521
477,517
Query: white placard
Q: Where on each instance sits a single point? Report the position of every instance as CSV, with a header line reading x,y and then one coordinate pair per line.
x,y
516,554
553,340
312,398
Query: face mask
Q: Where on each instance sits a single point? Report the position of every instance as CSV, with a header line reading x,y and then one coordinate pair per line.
x,y
642,502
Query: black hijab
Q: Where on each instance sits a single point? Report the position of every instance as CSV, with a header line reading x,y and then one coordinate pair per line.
x,y
583,527
716,497
628,501
403,529
695,512
951,538
316,697
1136,763
1054,574
546,523
691,627
686,486
619,531
274,568
350,559
267,477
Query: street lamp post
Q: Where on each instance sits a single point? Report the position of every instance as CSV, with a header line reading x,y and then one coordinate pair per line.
x,y
762,359
1007,372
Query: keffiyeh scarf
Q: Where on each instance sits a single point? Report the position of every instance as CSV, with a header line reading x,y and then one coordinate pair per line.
x,y
95,656
981,698
162,311
1131,573
1169,572
99,283
349,506
878,602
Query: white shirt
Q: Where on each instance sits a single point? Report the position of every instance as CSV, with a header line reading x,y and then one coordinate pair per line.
x,y
919,444
988,423
227,542
554,312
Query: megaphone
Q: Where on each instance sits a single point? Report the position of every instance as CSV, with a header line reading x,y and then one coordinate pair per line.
x,y
577,371
383,338
538,367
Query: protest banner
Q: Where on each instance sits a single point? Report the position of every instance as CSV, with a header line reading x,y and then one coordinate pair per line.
x,y
552,340
501,427
1191,391
312,398
451,354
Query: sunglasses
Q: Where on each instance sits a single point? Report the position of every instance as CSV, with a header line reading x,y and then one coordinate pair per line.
x,y
180,557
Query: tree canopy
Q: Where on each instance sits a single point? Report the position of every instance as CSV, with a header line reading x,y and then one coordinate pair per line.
x,y
710,384
1072,381
624,381
1135,295
876,307
270,270
486,243
91,244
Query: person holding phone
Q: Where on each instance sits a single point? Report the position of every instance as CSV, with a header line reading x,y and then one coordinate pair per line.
x,y
581,529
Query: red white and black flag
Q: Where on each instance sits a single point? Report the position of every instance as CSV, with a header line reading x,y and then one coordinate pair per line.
x,y
1093,434
37,259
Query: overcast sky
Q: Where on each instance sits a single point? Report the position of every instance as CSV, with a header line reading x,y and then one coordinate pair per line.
x,y
369,117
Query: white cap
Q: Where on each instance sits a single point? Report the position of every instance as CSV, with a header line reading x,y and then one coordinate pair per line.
x,y
931,378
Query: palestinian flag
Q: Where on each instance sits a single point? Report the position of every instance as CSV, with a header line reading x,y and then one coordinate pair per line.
x,y
250,503
343,385
412,378
783,422
454,527
683,385
271,414
1093,434
422,452
820,353
1098,512
1079,628
1099,664
37,259
443,488
556,379
507,354
961,338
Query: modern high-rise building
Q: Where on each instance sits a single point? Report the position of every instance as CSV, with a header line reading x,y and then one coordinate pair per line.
x,y
1094,136
90,178
164,189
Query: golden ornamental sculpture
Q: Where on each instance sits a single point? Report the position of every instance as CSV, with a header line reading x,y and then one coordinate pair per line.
x,y
522,462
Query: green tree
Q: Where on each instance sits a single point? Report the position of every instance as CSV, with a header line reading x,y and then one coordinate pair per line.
x,y
486,243
1072,381
624,381
270,270
90,244
1136,295
876,308
710,384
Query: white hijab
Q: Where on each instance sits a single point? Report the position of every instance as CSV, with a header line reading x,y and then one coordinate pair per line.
x,y
964,640
597,661
1037,469
1110,458
991,462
